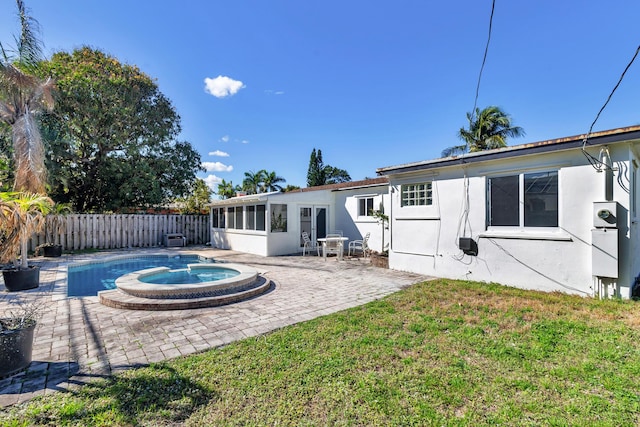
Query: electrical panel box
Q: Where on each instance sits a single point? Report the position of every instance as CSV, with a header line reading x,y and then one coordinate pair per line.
x,y
604,252
605,214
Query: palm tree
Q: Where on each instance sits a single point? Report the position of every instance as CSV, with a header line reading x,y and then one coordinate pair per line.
x,y
488,129
22,97
252,182
226,189
21,215
271,182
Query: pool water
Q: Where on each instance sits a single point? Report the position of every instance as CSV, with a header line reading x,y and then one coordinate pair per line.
x,y
183,277
88,279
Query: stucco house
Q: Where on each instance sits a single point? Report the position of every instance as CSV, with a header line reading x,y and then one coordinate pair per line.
x,y
271,224
558,215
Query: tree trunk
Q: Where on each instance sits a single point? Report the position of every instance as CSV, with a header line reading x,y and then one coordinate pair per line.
x,y
23,253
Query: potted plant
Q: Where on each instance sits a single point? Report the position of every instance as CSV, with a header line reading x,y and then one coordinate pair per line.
x,y
54,226
21,215
16,337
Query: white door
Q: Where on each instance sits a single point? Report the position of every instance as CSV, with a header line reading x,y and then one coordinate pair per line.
x,y
313,220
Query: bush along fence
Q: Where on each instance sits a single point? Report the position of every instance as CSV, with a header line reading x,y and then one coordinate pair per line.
x,y
106,231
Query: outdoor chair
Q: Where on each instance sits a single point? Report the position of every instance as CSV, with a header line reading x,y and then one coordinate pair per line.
x,y
309,245
360,245
333,245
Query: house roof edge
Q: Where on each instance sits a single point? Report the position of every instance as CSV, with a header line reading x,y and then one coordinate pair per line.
x,y
558,144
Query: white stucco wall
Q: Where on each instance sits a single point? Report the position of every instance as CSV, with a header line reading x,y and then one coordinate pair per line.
x,y
634,204
253,242
356,227
267,243
425,239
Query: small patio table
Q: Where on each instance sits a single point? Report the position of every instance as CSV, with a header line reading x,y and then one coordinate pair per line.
x,y
327,242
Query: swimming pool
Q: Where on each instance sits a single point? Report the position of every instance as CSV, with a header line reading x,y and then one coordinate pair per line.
x,y
189,276
87,279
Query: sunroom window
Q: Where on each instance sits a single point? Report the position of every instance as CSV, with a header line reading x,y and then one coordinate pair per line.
x,y
255,217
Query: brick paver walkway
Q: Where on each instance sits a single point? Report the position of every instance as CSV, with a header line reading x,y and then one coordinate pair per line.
x,y
78,339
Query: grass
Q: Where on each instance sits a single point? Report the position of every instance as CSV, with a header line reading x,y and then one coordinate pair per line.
x,y
446,353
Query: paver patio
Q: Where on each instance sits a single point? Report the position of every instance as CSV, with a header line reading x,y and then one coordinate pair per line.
x,y
79,339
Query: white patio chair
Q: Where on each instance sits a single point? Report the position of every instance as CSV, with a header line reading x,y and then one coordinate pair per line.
x,y
333,245
308,244
360,245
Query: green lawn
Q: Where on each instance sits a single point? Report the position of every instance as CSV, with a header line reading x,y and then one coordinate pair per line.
x,y
439,353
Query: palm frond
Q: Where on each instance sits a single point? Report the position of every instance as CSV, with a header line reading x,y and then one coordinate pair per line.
x,y
29,46
456,150
21,215
30,172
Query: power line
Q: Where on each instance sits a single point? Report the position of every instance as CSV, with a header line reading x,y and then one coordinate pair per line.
x,y
484,59
596,163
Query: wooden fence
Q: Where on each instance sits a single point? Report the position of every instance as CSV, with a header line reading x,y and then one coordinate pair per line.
x,y
98,231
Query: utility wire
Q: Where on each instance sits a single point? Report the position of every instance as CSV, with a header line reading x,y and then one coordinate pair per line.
x,y
484,59
595,162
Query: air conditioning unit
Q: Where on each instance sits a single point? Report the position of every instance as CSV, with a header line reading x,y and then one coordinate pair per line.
x,y
174,240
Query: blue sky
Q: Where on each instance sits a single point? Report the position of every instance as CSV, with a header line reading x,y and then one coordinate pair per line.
x,y
370,83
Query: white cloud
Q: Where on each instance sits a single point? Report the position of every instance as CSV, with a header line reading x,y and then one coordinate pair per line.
x,y
212,182
245,141
222,86
218,153
216,167
225,138
274,92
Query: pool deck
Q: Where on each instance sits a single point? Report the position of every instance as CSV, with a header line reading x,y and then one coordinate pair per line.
x,y
78,339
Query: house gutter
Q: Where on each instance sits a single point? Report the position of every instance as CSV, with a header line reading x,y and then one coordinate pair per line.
x,y
236,201
361,186
560,144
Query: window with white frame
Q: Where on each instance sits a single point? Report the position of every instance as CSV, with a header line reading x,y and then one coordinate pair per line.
x,y
221,218
416,194
250,214
261,217
365,206
215,218
231,217
278,218
255,217
239,221
523,200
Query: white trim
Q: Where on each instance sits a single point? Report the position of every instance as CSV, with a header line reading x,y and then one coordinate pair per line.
x,y
528,234
418,218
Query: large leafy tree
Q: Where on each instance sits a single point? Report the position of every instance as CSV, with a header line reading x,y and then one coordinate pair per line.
x,y
320,174
488,129
198,198
315,175
335,175
23,96
113,138
290,187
